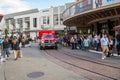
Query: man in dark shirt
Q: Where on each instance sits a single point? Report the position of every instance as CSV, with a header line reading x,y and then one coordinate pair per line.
x,y
5,47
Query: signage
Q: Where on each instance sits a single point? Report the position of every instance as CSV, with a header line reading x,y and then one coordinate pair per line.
x,y
77,8
101,3
84,6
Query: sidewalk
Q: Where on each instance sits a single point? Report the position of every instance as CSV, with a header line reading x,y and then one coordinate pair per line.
x,y
34,66
100,52
2,71
92,54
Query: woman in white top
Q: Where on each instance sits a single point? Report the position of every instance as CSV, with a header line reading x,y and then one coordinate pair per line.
x,y
86,43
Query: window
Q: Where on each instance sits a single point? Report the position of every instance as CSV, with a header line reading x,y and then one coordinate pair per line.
x,y
47,36
44,20
56,19
55,10
62,8
34,22
48,21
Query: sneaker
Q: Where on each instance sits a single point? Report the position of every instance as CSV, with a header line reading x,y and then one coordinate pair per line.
x,y
3,60
104,57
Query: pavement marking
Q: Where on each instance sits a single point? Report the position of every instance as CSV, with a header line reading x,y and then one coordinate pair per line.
x,y
100,52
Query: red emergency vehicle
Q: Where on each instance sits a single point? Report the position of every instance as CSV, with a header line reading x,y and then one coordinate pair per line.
x,y
47,39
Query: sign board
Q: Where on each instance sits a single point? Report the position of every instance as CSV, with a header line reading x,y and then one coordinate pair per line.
x,y
101,3
78,8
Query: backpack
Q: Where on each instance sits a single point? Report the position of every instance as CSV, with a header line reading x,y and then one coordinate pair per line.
x,y
1,41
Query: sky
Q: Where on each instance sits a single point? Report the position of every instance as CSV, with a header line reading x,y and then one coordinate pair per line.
x,y
12,6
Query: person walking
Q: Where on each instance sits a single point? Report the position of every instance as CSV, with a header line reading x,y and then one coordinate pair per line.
x,y
5,49
111,43
79,43
23,42
104,45
30,41
72,40
117,43
16,49
10,43
1,41
86,43
97,42
75,42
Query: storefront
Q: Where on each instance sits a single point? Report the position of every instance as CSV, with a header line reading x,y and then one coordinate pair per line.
x,y
92,17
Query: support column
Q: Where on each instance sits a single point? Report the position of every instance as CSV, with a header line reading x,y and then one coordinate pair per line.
x,y
10,26
16,24
51,17
24,24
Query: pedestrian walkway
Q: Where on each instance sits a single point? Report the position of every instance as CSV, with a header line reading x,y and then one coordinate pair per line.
x,y
34,66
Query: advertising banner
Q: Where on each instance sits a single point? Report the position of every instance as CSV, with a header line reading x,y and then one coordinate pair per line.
x,y
77,8
84,6
101,3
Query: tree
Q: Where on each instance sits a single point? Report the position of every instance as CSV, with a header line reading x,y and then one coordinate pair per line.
x,y
6,33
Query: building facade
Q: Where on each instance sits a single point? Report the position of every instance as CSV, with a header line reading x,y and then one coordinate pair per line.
x,y
30,21
93,16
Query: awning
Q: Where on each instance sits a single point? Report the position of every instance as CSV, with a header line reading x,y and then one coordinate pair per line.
x,y
116,28
1,15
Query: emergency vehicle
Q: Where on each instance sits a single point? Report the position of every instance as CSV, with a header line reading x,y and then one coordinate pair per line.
x,y
47,39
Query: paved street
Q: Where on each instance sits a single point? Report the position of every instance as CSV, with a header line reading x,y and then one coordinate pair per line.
x,y
34,66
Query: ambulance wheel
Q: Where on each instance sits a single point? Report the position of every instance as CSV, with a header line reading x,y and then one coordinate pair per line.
x,y
56,47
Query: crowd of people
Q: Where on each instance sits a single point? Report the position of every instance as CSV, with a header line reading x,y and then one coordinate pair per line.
x,y
14,45
104,43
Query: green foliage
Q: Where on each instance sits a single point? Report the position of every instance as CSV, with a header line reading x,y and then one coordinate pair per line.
x,y
6,33
61,33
